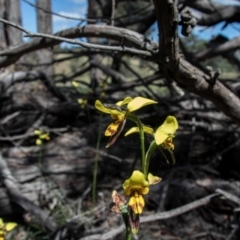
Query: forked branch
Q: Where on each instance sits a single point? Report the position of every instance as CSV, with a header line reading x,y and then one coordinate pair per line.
x,y
182,72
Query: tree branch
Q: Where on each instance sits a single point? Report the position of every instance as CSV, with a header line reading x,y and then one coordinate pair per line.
x,y
127,37
158,216
226,47
179,70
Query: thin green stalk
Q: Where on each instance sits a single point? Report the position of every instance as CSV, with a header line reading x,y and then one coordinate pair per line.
x,y
125,217
128,233
135,119
89,120
95,170
40,158
141,132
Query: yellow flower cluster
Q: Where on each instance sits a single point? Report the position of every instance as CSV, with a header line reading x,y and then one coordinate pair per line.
x,y
82,102
138,184
6,227
41,136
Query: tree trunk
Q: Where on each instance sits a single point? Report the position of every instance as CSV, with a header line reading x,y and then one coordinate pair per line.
x,y
44,25
10,36
3,43
94,10
14,36
10,10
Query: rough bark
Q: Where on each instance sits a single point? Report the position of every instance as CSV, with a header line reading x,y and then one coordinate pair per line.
x,y
13,13
2,25
94,11
10,36
44,25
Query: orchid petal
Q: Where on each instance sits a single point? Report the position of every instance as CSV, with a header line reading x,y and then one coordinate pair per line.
x,y
10,226
153,179
125,101
137,179
136,203
160,137
114,137
112,128
38,141
136,183
1,223
146,129
139,102
101,108
169,126
166,130
37,132
134,221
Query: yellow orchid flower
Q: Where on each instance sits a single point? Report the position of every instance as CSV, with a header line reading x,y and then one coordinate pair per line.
x,y
146,129
82,102
75,84
6,227
41,136
137,186
163,135
119,112
166,131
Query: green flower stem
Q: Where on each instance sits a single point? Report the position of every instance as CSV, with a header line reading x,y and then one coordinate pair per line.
x,y
125,217
95,170
135,119
40,158
151,150
141,132
128,233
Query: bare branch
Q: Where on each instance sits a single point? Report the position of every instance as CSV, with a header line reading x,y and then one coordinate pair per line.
x,y
229,196
179,70
129,37
226,47
14,25
221,14
205,6
90,45
158,216
113,12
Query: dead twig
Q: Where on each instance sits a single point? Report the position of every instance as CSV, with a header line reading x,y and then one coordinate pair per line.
x,y
229,196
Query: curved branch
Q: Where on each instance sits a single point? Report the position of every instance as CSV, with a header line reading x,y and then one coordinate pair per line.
x,y
179,70
159,216
225,47
205,6
223,14
125,36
